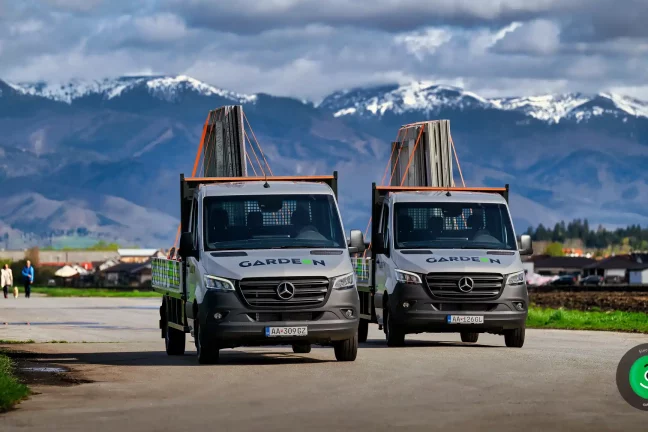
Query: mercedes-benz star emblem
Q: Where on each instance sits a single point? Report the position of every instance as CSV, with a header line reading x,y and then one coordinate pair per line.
x,y
285,290
466,284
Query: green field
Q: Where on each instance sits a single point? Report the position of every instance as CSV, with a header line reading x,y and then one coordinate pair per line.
x,y
11,391
91,292
636,322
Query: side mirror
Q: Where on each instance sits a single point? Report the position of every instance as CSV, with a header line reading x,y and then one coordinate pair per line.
x,y
186,246
378,244
526,245
356,242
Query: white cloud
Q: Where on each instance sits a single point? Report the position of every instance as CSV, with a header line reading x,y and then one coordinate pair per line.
x,y
501,34
25,27
422,43
638,92
539,37
308,49
163,27
74,5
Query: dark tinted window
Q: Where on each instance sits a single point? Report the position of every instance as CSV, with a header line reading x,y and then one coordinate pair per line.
x,y
453,225
272,221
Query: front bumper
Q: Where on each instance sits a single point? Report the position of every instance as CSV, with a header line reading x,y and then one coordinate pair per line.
x,y
426,314
241,325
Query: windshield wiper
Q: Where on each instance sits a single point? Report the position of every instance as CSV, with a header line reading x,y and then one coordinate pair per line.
x,y
482,247
302,247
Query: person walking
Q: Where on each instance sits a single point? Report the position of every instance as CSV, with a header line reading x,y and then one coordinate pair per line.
x,y
28,277
6,279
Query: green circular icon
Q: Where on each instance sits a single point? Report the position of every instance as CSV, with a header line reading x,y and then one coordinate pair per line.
x,y
632,377
639,377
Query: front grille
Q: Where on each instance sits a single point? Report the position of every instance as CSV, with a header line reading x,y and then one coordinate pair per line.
x,y
262,292
446,285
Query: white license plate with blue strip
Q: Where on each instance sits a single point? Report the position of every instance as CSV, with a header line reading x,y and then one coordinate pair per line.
x,y
465,319
286,331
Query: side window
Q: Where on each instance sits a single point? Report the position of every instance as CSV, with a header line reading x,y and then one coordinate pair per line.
x,y
194,222
384,229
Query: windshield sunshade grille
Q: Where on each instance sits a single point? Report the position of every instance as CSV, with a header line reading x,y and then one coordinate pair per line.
x,y
465,285
293,292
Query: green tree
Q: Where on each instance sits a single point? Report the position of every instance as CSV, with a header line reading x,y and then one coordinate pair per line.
x,y
554,249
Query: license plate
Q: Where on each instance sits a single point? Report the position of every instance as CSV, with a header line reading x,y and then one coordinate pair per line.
x,y
465,319
286,331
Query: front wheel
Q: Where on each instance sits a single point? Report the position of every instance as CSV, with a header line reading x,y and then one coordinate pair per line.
x,y
346,350
208,352
469,337
363,330
514,338
394,334
301,348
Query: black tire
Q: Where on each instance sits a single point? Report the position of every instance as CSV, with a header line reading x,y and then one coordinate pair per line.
x,y
514,338
346,350
363,330
174,340
394,334
469,337
208,352
301,348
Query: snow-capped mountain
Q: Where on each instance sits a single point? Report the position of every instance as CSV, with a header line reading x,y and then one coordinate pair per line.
x,y
101,158
394,99
163,87
429,98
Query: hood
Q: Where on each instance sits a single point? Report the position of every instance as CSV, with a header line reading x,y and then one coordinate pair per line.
x,y
277,263
458,260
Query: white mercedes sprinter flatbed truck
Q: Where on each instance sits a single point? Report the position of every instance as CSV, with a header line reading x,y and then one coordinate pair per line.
x,y
263,262
443,260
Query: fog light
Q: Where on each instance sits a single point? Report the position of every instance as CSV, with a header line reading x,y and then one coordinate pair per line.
x,y
406,305
519,306
218,315
348,313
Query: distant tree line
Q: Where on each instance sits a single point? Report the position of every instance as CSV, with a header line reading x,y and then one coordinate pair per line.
x,y
633,236
99,246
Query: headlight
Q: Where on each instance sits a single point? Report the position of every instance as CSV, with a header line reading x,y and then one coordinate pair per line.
x,y
407,277
346,281
218,284
515,278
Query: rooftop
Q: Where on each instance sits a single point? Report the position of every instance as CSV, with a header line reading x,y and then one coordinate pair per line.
x,y
462,197
127,267
136,252
562,262
256,188
625,262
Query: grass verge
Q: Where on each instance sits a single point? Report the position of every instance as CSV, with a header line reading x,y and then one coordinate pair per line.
x,y
635,322
92,292
10,342
11,391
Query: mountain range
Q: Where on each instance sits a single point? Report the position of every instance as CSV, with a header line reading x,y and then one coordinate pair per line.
x,y
87,160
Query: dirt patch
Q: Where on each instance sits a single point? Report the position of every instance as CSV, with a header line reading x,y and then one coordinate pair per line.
x,y
34,369
592,301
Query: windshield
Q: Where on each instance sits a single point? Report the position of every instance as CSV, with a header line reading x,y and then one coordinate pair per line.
x,y
272,221
453,226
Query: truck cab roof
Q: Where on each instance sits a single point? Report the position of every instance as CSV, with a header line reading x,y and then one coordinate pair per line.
x,y
257,188
455,196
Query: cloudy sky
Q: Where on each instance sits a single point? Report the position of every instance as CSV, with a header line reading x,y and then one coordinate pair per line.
x,y
308,48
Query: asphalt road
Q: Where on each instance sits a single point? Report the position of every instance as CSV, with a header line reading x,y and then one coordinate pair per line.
x,y
559,381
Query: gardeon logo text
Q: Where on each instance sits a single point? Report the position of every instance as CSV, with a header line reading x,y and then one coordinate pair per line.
x,y
275,261
464,258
